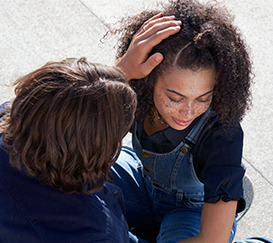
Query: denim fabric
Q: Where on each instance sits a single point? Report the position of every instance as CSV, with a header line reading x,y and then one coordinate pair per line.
x,y
181,178
151,209
162,191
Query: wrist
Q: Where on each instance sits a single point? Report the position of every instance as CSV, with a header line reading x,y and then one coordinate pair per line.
x,y
123,67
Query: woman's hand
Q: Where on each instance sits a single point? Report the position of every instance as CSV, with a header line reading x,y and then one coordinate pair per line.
x,y
135,62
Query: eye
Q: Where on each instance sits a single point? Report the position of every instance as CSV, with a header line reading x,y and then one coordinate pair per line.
x,y
174,100
204,101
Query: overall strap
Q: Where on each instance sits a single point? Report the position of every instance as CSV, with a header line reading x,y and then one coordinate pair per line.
x,y
191,138
189,142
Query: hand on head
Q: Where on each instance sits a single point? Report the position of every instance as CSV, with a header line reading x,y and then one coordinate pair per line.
x,y
199,37
135,63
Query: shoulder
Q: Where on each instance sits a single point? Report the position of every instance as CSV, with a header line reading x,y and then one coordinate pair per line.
x,y
218,139
214,128
218,161
5,107
13,221
96,217
217,147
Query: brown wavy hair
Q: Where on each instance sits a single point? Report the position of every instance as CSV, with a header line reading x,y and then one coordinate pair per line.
x,y
207,38
67,122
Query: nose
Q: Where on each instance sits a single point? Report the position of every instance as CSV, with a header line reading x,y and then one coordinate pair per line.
x,y
187,111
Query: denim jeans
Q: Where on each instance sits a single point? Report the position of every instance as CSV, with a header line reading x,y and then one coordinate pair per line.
x,y
151,209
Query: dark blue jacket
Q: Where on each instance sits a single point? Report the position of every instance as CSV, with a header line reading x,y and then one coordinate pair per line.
x,y
31,212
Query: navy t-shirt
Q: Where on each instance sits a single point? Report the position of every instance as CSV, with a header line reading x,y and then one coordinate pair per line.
x,y
31,212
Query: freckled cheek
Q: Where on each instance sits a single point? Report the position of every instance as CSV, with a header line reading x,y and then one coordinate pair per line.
x,y
201,108
165,106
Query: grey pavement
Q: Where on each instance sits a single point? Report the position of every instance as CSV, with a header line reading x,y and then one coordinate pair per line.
x,y
34,32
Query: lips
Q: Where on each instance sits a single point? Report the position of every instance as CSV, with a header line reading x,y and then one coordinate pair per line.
x,y
182,123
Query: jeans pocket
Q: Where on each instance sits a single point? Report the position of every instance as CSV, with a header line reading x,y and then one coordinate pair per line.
x,y
194,201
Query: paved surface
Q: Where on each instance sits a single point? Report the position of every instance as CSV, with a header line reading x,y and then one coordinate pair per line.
x,y
34,32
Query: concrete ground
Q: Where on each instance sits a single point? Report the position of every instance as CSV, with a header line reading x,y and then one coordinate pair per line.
x,y
34,32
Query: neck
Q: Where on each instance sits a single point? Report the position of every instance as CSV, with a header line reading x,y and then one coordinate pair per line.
x,y
160,118
157,125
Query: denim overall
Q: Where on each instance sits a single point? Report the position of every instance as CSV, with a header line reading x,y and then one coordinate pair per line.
x,y
173,173
162,187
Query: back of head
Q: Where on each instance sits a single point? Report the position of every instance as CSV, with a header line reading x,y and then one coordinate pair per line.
x,y
67,123
207,39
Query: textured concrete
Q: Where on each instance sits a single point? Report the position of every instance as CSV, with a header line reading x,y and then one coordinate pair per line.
x,y
34,32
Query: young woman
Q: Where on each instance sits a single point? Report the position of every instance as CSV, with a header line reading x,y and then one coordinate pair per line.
x,y
59,138
182,174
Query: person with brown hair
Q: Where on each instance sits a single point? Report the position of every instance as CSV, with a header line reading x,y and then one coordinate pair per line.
x,y
182,174
59,138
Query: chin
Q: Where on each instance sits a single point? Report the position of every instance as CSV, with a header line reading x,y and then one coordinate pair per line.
x,y
179,128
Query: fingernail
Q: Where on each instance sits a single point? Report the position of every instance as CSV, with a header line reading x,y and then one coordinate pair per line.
x,y
179,22
158,58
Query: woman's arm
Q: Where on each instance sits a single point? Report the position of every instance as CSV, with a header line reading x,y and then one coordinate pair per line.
x,y
216,223
135,63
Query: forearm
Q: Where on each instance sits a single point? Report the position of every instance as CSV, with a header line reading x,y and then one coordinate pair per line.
x,y
216,223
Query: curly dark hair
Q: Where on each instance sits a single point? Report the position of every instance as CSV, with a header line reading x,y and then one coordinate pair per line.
x,y
207,38
67,122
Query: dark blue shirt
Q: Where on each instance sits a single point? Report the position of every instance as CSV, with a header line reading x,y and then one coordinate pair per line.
x,y
31,212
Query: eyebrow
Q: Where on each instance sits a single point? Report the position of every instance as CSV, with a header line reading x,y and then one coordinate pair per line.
x,y
172,91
